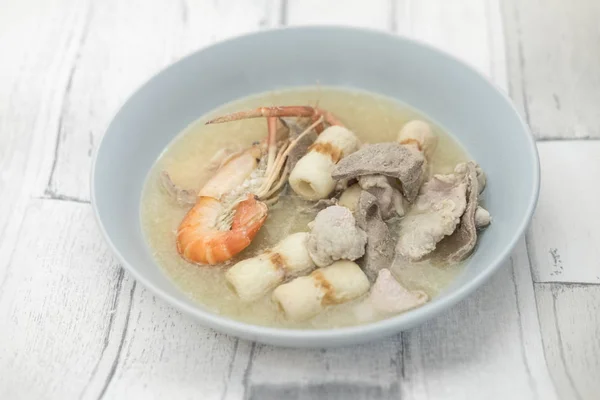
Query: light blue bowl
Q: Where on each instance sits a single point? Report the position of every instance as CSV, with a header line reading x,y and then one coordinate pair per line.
x,y
461,100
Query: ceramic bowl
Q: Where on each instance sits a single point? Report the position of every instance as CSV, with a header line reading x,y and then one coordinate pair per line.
x,y
480,116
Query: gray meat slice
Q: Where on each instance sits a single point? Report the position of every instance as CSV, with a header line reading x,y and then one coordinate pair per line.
x,y
435,214
389,159
389,198
461,243
379,252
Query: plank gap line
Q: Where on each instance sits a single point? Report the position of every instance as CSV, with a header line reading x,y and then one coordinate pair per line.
x,y
246,377
283,12
62,197
561,350
393,23
230,369
566,284
521,62
115,302
567,139
86,28
115,363
530,378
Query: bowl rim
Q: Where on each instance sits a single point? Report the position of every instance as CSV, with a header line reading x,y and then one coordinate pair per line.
x,y
350,334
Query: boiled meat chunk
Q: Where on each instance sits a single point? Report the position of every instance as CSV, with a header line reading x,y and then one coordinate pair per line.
x,y
390,159
335,236
388,297
391,202
435,214
461,243
379,252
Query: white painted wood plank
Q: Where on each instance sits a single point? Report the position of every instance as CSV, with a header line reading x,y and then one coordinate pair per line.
x,y
124,45
570,320
166,354
563,237
374,14
487,347
37,43
444,356
79,326
553,52
467,29
370,371
62,303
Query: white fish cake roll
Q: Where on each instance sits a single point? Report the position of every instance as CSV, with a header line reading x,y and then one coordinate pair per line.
x,y
300,299
350,196
342,140
253,278
305,297
250,279
420,132
294,253
347,280
311,177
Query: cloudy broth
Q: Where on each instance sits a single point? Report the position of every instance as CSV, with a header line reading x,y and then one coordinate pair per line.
x,y
372,118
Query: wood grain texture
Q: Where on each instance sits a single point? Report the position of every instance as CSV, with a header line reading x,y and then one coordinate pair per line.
x,y
441,358
563,238
370,371
79,327
570,322
555,66
376,14
443,24
64,302
117,53
165,353
490,339
37,49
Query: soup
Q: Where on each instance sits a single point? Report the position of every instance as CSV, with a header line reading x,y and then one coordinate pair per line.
x,y
373,119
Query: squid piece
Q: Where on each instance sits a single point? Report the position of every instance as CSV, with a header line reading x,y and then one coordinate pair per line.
x,y
306,296
254,277
311,177
419,133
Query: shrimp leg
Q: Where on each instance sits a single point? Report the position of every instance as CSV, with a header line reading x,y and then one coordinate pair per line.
x,y
283,111
271,143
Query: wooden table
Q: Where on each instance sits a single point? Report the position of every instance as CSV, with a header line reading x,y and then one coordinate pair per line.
x,y
73,324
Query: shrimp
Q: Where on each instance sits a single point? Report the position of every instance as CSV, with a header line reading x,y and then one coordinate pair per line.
x,y
232,205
